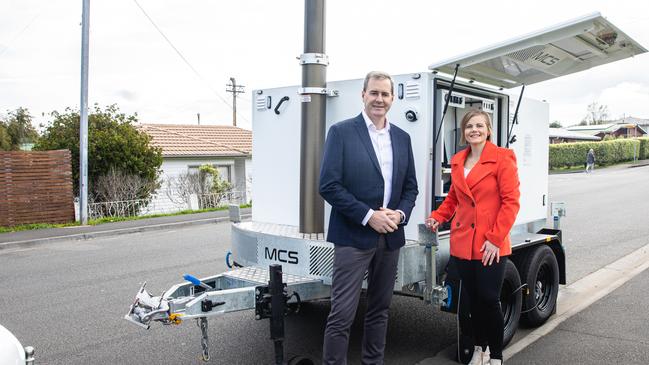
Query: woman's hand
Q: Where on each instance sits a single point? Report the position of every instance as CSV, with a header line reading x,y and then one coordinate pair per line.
x,y
489,252
432,224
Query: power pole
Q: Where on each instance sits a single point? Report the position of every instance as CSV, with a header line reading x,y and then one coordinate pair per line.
x,y
234,89
83,114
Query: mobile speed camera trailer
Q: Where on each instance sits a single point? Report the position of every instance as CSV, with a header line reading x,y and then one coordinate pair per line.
x,y
287,228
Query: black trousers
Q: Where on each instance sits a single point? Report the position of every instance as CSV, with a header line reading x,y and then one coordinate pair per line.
x,y
350,265
483,285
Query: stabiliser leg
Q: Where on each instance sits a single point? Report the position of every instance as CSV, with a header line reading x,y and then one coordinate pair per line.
x,y
271,302
278,303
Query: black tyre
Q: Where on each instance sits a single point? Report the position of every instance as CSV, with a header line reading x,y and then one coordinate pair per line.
x,y
464,349
511,300
540,272
300,360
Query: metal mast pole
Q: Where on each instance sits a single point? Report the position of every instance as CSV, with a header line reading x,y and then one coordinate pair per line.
x,y
313,96
83,110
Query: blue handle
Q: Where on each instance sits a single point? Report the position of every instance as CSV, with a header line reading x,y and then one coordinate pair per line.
x,y
192,279
195,281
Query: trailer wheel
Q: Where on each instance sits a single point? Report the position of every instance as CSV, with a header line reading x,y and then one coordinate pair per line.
x,y
464,349
511,299
540,272
300,360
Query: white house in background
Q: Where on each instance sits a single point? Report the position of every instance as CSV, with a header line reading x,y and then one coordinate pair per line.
x,y
186,147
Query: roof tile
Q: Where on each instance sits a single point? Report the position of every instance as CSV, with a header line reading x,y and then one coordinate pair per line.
x,y
184,140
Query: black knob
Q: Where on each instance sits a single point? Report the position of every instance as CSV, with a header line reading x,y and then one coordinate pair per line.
x,y
411,116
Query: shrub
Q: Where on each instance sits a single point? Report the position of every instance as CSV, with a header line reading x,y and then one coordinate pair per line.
x,y
609,152
643,153
114,142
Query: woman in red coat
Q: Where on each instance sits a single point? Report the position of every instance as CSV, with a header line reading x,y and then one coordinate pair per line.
x,y
484,198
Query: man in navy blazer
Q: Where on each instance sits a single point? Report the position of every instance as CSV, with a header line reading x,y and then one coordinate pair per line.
x,y
368,178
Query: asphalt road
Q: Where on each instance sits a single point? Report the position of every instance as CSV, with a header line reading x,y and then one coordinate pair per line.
x,y
608,216
67,299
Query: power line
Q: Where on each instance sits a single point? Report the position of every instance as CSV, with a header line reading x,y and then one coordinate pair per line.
x,y
6,47
200,77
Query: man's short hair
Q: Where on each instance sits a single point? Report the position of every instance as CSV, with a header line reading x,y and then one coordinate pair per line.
x,y
378,75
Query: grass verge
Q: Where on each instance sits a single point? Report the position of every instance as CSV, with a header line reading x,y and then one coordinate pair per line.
x,y
94,222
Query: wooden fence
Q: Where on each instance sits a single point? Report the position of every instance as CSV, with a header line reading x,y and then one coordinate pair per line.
x,y
35,187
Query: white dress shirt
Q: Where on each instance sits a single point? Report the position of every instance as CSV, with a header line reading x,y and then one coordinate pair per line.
x,y
382,144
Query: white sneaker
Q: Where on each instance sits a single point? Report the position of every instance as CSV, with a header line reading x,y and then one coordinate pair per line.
x,y
479,357
495,362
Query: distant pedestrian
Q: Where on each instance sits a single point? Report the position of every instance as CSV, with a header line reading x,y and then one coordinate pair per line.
x,y
590,160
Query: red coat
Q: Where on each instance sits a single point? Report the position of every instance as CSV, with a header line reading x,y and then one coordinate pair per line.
x,y
485,203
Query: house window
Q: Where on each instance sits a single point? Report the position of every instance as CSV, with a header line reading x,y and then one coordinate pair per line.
x,y
224,171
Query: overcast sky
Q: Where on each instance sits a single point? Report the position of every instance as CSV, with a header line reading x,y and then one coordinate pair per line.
x,y
257,42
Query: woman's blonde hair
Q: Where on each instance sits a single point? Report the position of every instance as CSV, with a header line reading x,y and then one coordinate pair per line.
x,y
468,116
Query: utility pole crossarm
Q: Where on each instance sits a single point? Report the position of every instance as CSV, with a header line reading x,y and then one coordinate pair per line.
x,y
235,89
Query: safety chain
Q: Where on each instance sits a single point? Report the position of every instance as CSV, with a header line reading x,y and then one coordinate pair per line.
x,y
202,323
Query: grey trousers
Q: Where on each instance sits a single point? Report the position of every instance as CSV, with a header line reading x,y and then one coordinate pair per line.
x,y
350,265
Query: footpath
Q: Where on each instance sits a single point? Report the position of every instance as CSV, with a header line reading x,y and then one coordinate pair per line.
x,y
39,236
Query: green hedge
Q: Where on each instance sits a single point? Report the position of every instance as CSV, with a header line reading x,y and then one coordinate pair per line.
x,y
644,148
565,155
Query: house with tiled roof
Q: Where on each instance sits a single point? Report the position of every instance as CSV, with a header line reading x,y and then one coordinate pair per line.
x,y
643,123
560,135
626,130
186,147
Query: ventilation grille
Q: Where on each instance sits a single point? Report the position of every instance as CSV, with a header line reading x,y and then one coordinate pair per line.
x,y
321,261
413,90
525,54
260,102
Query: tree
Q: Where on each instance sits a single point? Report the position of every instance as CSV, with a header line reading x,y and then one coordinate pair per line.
x,y
18,129
556,124
213,178
113,143
596,114
5,140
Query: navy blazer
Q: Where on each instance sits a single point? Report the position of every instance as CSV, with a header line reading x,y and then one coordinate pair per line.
x,y
352,183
